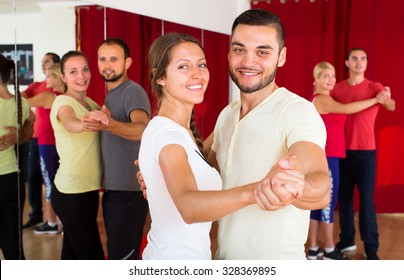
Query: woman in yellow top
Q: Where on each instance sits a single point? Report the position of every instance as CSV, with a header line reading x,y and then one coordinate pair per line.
x,y
78,179
12,194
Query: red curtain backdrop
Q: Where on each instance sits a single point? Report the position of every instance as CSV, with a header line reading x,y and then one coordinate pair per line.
x,y
139,32
323,30
326,30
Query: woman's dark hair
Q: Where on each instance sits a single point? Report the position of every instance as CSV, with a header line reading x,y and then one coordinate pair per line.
x,y
159,58
69,55
7,75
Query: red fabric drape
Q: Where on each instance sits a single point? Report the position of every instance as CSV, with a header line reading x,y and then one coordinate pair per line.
x,y
323,30
326,30
139,32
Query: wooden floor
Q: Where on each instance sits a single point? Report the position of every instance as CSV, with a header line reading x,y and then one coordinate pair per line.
x,y
391,231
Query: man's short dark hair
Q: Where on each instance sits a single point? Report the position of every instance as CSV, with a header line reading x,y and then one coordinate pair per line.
x,y
348,55
261,17
55,57
117,41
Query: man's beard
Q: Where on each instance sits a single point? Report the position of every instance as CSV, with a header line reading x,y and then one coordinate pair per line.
x,y
114,77
262,84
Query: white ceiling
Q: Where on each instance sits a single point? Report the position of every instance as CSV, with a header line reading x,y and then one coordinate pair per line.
x,y
212,15
33,6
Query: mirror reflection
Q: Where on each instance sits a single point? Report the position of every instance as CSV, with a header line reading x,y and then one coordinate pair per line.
x,y
25,99
16,127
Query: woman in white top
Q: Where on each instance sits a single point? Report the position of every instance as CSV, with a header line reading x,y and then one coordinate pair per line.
x,y
183,190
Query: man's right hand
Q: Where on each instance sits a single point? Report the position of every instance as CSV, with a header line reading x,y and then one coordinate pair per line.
x,y
284,183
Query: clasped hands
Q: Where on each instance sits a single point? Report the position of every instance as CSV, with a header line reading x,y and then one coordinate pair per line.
x,y
384,96
284,183
96,120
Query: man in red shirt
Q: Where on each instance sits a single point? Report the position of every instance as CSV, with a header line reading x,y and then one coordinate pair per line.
x,y
359,166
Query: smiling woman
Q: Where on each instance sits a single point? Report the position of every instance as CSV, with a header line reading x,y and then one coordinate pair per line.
x,y
179,77
78,180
